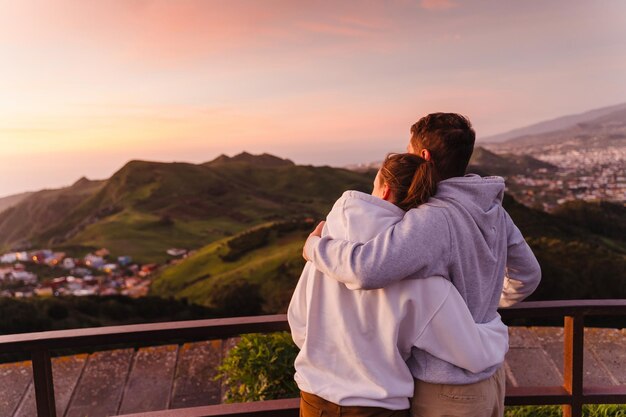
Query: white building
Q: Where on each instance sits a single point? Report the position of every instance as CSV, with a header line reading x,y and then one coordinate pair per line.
x,y
68,263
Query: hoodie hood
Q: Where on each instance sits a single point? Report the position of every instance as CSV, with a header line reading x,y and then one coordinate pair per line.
x,y
473,191
480,198
358,217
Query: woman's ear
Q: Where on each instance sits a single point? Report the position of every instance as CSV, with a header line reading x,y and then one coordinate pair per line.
x,y
425,153
386,192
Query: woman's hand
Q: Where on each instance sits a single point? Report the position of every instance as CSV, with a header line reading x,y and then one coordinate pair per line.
x,y
318,233
318,230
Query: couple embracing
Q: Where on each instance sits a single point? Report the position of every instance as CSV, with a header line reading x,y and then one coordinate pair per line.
x,y
395,313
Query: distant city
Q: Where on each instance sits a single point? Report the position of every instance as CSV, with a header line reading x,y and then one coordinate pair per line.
x,y
597,174
583,174
47,273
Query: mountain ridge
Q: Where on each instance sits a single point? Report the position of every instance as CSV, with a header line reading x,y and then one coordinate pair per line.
x,y
12,200
555,124
146,207
264,159
221,211
485,162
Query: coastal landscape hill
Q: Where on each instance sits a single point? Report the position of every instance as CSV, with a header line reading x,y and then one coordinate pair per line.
x,y
557,124
581,250
485,162
12,200
244,220
598,129
147,207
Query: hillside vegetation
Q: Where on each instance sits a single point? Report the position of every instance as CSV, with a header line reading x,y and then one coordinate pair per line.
x,y
259,279
560,123
47,313
147,207
12,200
601,130
485,162
581,249
246,218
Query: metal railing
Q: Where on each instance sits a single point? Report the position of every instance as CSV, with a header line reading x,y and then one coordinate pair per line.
x,y
571,395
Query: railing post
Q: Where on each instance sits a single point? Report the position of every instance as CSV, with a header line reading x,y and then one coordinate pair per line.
x,y
574,345
44,386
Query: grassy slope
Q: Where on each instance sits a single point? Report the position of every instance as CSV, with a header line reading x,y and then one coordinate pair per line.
x,y
144,236
578,260
12,200
38,211
274,267
489,163
147,207
578,257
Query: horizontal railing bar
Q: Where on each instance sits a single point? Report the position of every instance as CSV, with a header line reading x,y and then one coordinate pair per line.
x,y
227,327
159,333
278,408
615,394
555,395
537,396
563,308
515,396
140,333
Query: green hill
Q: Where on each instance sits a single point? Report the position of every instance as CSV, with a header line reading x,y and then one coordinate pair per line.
x,y
40,211
12,200
147,207
240,212
603,129
254,271
580,255
486,162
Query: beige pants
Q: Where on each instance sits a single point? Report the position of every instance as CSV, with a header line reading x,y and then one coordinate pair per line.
x,y
482,399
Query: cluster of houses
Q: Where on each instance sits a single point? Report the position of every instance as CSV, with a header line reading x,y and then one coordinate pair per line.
x,y
96,273
584,174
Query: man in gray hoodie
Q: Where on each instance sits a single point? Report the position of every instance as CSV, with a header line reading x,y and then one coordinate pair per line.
x,y
463,234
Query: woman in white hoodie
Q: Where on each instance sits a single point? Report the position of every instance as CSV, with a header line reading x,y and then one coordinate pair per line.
x,y
353,343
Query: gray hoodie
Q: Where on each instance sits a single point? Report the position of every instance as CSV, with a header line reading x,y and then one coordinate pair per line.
x,y
463,234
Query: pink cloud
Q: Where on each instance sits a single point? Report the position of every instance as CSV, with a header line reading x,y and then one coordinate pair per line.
x,y
438,4
339,29
157,33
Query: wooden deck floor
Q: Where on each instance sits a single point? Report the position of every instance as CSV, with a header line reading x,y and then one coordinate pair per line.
x,y
127,381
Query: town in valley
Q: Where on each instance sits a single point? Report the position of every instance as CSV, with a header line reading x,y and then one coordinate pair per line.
x,y
44,272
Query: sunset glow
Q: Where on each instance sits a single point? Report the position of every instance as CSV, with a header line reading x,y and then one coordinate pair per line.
x,y
87,85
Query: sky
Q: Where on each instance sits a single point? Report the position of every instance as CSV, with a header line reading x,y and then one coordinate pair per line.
x,y
86,85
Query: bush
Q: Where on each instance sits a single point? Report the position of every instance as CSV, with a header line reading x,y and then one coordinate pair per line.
x,y
260,367
236,297
57,311
246,242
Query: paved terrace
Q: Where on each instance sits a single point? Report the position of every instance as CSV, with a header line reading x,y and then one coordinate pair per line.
x,y
129,381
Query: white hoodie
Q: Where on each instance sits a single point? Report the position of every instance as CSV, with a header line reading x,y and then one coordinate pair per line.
x,y
354,343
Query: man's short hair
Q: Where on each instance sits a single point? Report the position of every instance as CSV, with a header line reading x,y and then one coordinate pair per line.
x,y
449,138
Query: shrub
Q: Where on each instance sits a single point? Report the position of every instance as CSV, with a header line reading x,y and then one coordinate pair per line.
x,y
260,367
246,242
57,311
237,297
